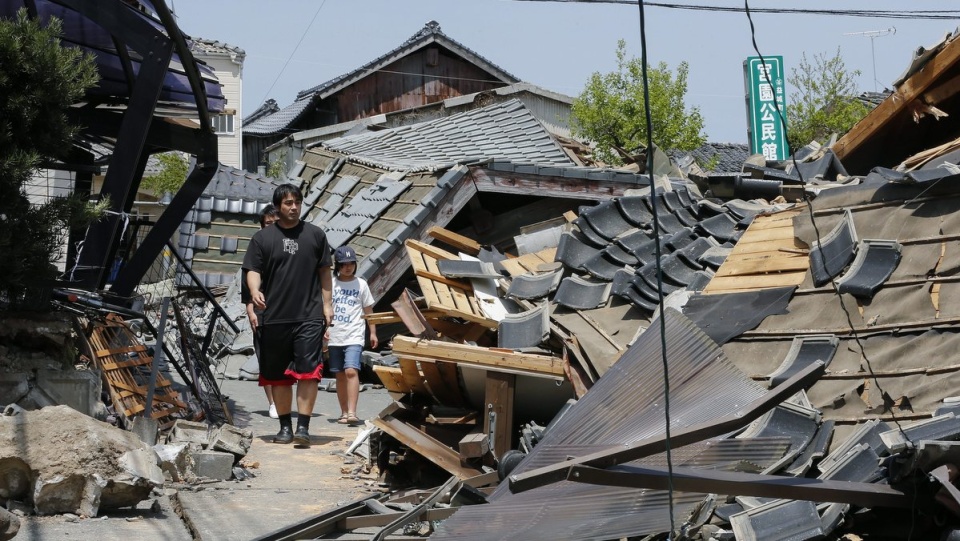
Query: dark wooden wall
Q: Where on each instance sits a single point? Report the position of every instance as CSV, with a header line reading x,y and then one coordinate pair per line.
x,y
427,76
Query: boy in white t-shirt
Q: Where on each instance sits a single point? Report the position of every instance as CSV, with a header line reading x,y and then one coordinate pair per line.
x,y
351,300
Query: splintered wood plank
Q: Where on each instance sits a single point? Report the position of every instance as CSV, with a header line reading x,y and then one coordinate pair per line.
x,y
452,297
771,247
392,379
515,267
429,291
439,386
491,357
761,265
413,377
426,446
458,241
728,284
767,255
430,251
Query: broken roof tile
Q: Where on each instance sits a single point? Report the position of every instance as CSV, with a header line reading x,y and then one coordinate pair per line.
x,y
573,251
616,253
943,427
867,432
874,263
831,254
590,234
635,209
524,330
457,268
782,520
575,292
721,227
534,286
803,351
607,220
602,267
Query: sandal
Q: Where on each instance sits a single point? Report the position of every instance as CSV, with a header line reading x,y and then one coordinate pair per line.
x,y
344,419
352,418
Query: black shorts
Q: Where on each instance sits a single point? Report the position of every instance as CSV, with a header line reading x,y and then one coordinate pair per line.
x,y
291,351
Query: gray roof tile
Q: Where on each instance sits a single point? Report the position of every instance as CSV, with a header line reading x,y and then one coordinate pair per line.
x,y
454,139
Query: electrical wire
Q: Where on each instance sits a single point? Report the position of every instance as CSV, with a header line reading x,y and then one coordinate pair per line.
x,y
929,14
816,229
297,46
656,236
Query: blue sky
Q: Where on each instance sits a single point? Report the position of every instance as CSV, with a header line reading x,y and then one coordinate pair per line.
x,y
556,45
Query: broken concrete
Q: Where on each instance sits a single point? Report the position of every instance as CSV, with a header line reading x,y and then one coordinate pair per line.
x,y
189,432
65,462
9,525
174,460
212,464
231,439
79,389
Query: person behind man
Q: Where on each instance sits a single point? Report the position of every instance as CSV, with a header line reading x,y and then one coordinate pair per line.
x,y
289,275
351,299
268,216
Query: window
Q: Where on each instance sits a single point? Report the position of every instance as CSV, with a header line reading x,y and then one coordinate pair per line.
x,y
222,124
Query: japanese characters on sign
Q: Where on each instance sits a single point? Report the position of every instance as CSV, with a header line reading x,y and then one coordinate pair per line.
x,y
764,81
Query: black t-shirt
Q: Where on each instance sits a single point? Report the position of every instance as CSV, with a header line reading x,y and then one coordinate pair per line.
x,y
287,260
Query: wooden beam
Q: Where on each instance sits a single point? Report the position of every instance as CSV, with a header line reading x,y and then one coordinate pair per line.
x,y
498,417
426,446
476,355
894,104
458,241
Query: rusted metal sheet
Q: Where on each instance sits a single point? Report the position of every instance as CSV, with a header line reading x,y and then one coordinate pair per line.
x,y
745,484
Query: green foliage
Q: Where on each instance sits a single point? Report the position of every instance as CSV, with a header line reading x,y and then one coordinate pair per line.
x,y
610,110
172,175
825,100
278,167
39,80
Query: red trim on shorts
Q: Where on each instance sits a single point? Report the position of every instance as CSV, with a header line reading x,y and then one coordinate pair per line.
x,y
263,382
316,374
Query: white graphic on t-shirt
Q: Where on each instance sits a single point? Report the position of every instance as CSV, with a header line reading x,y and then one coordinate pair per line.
x,y
290,246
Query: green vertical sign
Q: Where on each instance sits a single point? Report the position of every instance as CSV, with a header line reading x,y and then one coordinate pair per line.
x,y
763,81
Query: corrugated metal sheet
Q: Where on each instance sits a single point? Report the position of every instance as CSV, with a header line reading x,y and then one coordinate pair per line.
x,y
625,406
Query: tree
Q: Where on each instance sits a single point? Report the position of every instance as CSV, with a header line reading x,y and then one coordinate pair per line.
x,y
172,175
825,100
39,80
610,110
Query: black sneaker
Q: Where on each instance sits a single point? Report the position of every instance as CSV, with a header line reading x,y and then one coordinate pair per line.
x,y
284,436
302,436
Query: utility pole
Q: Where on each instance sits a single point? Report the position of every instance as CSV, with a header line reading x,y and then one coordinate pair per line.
x,y
873,34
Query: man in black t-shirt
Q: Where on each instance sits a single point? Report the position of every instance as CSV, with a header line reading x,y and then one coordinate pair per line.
x,y
291,261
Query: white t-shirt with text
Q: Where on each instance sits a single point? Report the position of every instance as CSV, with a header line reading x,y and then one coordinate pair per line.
x,y
349,300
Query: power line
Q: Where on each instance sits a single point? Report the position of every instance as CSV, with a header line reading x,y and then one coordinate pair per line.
x,y
933,14
297,46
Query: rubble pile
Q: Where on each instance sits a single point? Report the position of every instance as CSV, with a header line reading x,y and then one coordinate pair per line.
x,y
62,461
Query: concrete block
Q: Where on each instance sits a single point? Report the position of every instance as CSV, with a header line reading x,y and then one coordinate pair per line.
x,y
77,493
174,460
13,387
79,389
212,464
36,399
189,432
231,439
146,429
142,463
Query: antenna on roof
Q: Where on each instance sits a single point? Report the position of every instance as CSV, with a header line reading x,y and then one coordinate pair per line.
x,y
873,34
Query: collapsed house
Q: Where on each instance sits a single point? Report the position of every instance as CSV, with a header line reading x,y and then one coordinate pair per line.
x,y
808,346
